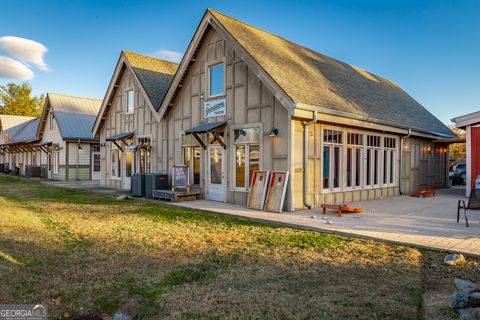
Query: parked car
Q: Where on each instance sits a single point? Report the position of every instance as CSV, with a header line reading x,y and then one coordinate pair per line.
x,y
461,170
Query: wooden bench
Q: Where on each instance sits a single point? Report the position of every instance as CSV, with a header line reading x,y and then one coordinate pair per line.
x,y
332,206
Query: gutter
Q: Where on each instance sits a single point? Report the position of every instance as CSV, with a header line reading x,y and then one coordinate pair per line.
x,y
307,203
401,158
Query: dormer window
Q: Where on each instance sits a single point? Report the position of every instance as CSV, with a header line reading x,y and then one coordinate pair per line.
x,y
216,80
130,101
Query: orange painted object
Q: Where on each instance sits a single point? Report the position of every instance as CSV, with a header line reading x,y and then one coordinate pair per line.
x,y
347,209
424,193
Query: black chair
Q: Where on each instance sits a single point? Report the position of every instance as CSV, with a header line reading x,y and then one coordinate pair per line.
x,y
473,204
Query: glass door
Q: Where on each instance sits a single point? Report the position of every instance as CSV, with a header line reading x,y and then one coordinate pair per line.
x,y
216,173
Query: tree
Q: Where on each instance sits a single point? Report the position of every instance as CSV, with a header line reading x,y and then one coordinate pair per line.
x,y
458,150
18,100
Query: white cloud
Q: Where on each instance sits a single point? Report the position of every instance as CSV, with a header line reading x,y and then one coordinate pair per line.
x,y
169,55
25,49
14,69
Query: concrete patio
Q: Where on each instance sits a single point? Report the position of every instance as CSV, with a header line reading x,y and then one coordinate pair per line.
x,y
421,222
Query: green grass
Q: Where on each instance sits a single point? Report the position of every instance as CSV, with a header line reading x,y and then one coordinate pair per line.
x,y
160,262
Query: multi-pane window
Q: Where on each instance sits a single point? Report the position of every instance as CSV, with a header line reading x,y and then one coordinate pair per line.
x,y
192,157
389,160
354,159
130,101
247,155
373,161
115,163
144,153
216,80
332,158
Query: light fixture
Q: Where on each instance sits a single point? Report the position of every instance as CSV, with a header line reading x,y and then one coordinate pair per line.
x,y
273,132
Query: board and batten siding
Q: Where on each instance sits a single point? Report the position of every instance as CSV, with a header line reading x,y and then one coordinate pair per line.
x,y
141,121
248,102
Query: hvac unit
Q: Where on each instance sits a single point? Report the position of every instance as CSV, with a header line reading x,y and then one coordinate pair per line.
x,y
155,181
32,171
138,185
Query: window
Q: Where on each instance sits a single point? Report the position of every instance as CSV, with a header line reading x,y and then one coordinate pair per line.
x,y
130,101
354,159
216,80
247,155
332,159
191,157
389,160
144,147
115,164
373,161
52,120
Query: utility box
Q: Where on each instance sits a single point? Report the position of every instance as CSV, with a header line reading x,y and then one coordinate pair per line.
x,y
2,167
155,181
6,168
138,185
32,171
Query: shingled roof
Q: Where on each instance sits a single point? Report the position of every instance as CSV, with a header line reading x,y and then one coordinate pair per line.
x,y
74,115
154,75
328,85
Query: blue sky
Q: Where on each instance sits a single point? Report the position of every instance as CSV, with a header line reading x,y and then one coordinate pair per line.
x,y
430,48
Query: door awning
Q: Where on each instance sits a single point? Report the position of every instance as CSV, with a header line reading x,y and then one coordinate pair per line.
x,y
208,128
120,136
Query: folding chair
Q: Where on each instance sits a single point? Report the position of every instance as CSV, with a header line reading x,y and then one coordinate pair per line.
x,y
473,204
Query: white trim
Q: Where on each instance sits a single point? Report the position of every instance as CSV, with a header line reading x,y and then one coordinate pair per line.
x,y
233,162
208,66
125,98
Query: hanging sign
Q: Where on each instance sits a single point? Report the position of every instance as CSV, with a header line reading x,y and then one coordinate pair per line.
x,y
215,108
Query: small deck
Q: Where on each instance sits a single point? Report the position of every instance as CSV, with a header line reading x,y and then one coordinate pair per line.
x,y
176,196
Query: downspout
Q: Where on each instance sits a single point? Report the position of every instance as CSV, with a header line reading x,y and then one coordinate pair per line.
x,y
78,159
401,158
306,203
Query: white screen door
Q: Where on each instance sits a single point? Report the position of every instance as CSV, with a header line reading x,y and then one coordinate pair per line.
x,y
95,165
128,170
216,176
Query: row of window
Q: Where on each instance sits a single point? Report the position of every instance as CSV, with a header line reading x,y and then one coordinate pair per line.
x,y
360,161
365,165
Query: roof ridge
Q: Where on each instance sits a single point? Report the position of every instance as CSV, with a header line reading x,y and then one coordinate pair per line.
x,y
295,43
72,96
149,57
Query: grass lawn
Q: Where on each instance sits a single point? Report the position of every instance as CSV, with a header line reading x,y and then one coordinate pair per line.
x,y
85,252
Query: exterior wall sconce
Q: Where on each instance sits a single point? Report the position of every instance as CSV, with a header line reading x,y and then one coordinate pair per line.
x,y
273,132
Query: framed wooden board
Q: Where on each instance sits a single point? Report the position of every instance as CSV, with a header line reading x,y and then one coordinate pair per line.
x,y
277,188
258,190
180,177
